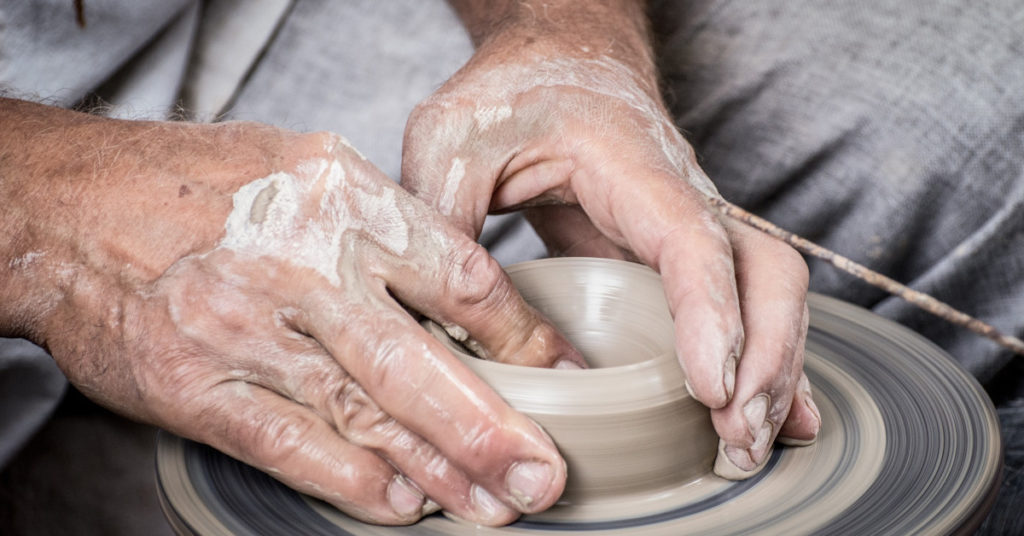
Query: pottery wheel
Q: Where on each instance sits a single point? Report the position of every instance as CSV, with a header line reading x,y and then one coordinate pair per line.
x,y
909,444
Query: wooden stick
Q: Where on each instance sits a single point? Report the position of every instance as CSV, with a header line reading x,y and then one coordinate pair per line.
x,y
920,299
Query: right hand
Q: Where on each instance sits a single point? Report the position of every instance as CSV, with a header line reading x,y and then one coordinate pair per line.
x,y
564,119
243,286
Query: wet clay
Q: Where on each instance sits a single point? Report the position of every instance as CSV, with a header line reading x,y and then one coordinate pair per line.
x,y
626,426
909,442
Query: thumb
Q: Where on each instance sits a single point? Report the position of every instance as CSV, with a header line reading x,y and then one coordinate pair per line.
x,y
452,164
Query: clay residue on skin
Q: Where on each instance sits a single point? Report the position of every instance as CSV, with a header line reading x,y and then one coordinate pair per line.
x,y
460,334
240,374
26,260
721,290
452,181
455,331
343,142
243,390
258,213
383,219
602,75
303,218
714,291
443,408
488,116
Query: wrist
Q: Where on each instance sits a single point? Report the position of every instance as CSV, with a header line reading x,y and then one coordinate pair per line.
x,y
606,29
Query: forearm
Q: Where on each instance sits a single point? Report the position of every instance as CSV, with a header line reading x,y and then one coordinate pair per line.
x,y
29,157
72,186
615,29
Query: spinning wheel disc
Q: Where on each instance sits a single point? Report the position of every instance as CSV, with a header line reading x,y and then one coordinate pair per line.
x,y
909,444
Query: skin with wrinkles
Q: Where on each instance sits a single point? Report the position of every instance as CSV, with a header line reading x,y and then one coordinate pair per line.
x,y
247,287
589,151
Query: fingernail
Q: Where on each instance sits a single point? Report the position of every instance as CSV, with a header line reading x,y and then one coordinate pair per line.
x,y
731,461
404,500
689,389
814,409
527,481
487,505
565,364
804,385
734,463
729,376
737,463
762,443
805,389
755,411
740,458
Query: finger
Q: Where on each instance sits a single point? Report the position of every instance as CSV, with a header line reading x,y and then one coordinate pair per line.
x,y
804,421
448,163
454,281
568,232
416,381
680,238
297,447
772,279
296,367
319,382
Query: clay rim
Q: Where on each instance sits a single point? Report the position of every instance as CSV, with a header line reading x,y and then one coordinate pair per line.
x,y
629,387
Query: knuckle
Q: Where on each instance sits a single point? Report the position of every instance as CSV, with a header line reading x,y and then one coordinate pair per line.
x,y
172,381
481,444
357,417
422,122
424,113
275,438
386,363
435,129
475,278
792,263
322,141
387,378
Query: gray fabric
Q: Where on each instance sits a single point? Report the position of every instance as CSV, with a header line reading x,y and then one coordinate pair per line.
x,y
1006,516
46,55
891,132
230,39
147,86
86,472
362,82
30,387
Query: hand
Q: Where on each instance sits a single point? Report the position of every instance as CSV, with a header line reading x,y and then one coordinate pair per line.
x,y
561,115
241,286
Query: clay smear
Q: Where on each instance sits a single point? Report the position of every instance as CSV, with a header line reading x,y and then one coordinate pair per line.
x,y
488,116
602,75
278,215
452,181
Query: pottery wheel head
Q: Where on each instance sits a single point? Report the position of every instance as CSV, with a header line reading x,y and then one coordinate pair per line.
x,y
626,426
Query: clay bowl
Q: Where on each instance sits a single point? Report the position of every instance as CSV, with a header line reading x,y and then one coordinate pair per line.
x,y
627,428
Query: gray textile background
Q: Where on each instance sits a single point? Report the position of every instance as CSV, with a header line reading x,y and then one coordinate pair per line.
x,y
889,130
363,82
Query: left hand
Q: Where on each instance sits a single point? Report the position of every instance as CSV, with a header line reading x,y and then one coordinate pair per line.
x,y
582,140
